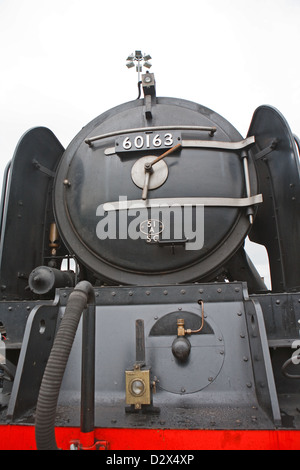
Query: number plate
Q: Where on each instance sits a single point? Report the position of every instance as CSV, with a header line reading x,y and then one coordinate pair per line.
x,y
147,141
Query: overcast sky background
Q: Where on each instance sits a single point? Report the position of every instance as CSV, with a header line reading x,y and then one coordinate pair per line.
x,y
62,62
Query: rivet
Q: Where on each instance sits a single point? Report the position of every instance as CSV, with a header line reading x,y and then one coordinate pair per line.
x,y
113,294
182,292
210,379
165,292
219,290
130,293
249,384
147,292
239,314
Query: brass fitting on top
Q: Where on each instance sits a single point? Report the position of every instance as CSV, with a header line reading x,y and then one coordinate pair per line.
x,y
180,327
181,331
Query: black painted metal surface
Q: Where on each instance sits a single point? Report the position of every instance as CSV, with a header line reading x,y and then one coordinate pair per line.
x,y
277,225
27,211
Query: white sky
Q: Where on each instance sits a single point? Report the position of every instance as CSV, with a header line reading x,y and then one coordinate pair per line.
x,y
62,62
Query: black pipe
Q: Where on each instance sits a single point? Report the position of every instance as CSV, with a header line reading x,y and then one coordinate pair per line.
x,y
88,371
82,294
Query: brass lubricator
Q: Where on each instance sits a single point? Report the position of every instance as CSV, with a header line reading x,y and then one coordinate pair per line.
x,y
139,388
181,346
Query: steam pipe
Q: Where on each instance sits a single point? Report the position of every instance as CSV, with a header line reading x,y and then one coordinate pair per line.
x,y
88,372
82,294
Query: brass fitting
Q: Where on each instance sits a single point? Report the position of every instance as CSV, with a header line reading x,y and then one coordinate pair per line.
x,y
53,239
180,327
181,331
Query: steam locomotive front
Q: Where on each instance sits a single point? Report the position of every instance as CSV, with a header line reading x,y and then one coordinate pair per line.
x,y
153,199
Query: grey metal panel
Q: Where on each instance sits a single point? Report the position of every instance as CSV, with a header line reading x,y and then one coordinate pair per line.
x,y
36,346
218,383
237,392
264,377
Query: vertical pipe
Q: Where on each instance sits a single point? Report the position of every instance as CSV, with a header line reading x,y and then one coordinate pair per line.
x,y
87,414
140,356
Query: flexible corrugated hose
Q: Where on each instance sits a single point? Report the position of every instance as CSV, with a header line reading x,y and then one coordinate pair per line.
x,y
56,365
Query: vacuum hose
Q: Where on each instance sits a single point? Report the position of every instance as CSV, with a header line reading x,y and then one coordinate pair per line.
x,y
82,294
